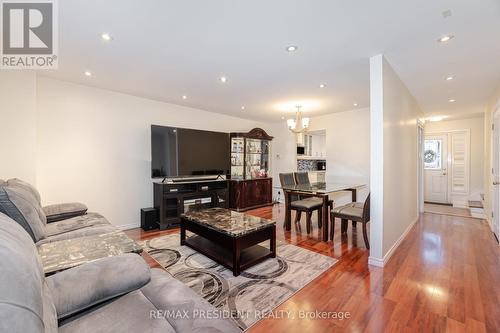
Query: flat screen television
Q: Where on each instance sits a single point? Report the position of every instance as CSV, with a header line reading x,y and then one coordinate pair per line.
x,y
183,152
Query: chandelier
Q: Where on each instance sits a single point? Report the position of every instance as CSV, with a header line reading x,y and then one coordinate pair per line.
x,y
299,124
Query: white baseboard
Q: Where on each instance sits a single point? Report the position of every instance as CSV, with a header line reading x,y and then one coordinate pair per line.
x,y
128,226
378,262
375,262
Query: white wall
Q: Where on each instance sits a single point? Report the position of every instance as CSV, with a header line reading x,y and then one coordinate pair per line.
x,y
394,184
18,125
347,149
476,127
94,146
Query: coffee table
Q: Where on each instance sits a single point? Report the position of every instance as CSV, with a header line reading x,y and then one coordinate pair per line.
x,y
229,238
61,255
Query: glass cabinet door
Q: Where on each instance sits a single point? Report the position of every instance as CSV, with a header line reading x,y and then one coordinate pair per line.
x,y
256,158
237,157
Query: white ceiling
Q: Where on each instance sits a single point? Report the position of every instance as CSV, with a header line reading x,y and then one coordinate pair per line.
x,y
165,49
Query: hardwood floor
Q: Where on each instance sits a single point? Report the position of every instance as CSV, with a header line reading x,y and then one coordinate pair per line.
x,y
444,277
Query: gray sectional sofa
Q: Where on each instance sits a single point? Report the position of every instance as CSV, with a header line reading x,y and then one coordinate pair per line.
x,y
117,294
21,202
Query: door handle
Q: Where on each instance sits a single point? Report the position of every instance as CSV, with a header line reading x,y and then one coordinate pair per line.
x,y
496,183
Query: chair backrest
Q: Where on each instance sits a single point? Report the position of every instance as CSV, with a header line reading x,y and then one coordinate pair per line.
x,y
302,178
366,208
288,179
25,301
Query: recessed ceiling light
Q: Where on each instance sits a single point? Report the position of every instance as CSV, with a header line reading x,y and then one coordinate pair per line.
x,y
450,78
242,107
291,48
223,79
322,85
184,97
355,104
87,73
451,100
105,36
445,39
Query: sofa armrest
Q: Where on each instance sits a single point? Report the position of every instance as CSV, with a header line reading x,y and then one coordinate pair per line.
x,y
64,211
82,287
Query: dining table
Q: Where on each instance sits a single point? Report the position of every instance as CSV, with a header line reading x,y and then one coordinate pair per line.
x,y
320,190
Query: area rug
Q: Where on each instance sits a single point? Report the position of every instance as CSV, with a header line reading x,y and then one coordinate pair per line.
x,y
254,293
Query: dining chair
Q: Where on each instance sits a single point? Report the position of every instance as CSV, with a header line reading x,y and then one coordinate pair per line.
x,y
301,205
302,178
354,211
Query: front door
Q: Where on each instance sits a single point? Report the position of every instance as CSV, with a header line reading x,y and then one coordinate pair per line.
x,y
435,168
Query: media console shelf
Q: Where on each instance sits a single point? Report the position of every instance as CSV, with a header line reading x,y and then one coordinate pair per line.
x,y
173,199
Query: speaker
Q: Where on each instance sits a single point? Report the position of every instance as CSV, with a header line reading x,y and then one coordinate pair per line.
x,y
149,219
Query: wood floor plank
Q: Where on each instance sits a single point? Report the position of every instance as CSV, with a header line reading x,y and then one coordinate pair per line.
x,y
444,277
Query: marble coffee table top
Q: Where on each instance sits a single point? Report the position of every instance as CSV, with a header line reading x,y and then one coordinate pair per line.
x,y
227,221
61,255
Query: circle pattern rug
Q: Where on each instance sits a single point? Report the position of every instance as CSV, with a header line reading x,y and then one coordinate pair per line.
x,y
256,292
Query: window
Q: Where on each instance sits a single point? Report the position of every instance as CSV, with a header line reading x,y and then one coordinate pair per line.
x,y
432,154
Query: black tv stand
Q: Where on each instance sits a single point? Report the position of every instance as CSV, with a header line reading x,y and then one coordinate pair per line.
x,y
189,180
174,198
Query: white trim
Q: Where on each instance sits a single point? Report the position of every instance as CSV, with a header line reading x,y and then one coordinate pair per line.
x,y
382,262
128,226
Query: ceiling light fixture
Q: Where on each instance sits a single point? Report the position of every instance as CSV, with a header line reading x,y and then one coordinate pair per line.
x,y
291,48
105,36
451,100
299,124
355,104
184,97
322,85
242,107
87,73
223,79
450,78
446,38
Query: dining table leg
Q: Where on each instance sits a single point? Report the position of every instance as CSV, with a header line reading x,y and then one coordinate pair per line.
x,y
325,218
288,211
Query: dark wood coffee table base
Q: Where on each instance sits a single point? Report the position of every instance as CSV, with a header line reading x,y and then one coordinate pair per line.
x,y
235,253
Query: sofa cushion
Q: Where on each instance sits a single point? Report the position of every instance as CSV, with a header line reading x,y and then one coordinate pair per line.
x,y
167,293
27,186
64,211
82,232
82,287
23,306
75,223
157,307
129,313
19,205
